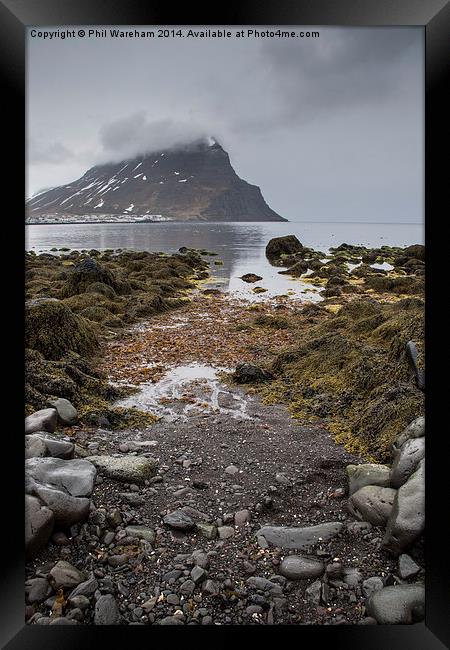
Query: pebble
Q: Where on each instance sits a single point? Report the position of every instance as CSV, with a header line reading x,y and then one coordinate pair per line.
x,y
297,567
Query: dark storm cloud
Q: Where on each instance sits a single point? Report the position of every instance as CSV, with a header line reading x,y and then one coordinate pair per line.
x,y
134,135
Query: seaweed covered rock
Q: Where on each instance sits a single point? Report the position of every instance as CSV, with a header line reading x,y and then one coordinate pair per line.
x,y
251,277
54,330
282,246
88,272
296,270
247,373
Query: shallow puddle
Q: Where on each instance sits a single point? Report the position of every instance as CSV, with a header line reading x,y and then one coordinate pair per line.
x,y
188,391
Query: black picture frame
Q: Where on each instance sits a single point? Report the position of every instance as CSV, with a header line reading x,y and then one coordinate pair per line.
x,y
15,17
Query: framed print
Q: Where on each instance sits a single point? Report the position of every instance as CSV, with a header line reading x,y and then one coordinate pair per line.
x,y
228,293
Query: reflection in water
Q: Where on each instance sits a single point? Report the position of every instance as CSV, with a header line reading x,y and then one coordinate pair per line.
x,y
240,246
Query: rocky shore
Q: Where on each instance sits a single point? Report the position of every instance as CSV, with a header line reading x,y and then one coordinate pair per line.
x,y
286,487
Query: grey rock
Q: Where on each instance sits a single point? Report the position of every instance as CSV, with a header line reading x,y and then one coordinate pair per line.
x,y
263,584
86,588
367,474
314,592
129,469
37,590
225,532
397,604
373,504
75,477
142,532
67,413
44,420
65,575
407,520
170,620
232,470
79,602
39,521
198,574
179,520
106,611
407,568
67,510
406,460
242,517
38,445
297,567
210,588
201,559
187,587
416,429
247,373
371,585
35,447
299,538
62,620
351,576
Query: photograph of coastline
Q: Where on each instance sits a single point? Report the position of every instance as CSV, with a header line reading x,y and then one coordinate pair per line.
x,y
224,332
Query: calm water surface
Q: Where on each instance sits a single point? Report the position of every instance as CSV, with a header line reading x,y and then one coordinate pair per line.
x,y
240,246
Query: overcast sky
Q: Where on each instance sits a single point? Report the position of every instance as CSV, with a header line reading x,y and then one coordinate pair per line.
x,y
331,129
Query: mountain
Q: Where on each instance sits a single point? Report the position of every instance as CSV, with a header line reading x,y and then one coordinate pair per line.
x,y
192,183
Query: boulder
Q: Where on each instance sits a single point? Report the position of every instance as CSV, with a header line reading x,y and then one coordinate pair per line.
x,y
287,245
129,469
64,576
251,277
298,567
39,522
299,538
406,460
54,330
106,611
397,604
75,477
67,510
246,373
367,474
39,445
179,520
372,503
44,420
416,429
67,413
407,519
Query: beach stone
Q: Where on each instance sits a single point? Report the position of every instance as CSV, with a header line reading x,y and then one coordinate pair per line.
x,y
371,585
35,447
142,532
406,460
62,620
76,477
170,620
247,373
242,517
297,567
286,245
65,575
198,574
299,538
86,588
37,590
39,522
129,469
314,592
67,510
397,604
367,474
225,532
44,420
263,584
415,429
209,531
107,611
39,445
407,568
407,519
67,413
232,470
210,588
373,504
251,277
179,520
